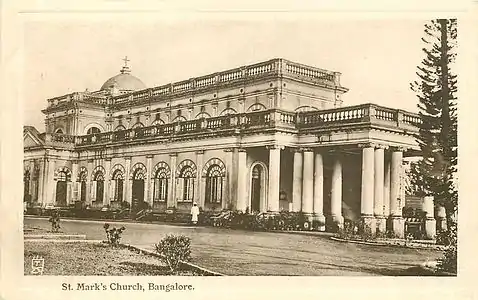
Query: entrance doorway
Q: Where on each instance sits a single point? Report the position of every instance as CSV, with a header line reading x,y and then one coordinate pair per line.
x,y
257,188
138,191
60,193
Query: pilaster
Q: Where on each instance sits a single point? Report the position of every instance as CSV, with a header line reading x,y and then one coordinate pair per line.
x,y
241,179
89,183
74,180
379,180
199,194
430,223
128,184
171,202
147,186
107,183
229,190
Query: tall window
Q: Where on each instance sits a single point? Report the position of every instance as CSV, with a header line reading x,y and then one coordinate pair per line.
x,y
214,184
82,179
100,186
186,180
161,185
118,179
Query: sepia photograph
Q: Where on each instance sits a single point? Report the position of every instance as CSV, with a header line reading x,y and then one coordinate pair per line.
x,y
232,147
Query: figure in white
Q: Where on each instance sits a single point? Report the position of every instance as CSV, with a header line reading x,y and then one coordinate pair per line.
x,y
194,213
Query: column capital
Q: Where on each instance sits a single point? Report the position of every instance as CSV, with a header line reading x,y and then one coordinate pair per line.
x,y
90,160
398,149
200,152
366,145
296,150
150,156
229,149
74,161
108,159
127,157
274,146
307,149
241,150
174,154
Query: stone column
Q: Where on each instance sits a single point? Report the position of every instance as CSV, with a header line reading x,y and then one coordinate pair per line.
x,y
30,181
41,187
229,178
297,181
308,184
336,193
241,180
89,180
319,191
147,186
379,176
274,178
386,188
199,194
51,182
395,201
107,183
74,180
128,184
171,202
441,218
430,223
367,190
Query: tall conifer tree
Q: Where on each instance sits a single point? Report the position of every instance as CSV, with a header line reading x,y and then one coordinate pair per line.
x,y
435,175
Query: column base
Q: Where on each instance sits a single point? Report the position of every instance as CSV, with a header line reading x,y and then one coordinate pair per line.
x,y
381,224
441,224
336,223
398,226
319,220
430,228
368,225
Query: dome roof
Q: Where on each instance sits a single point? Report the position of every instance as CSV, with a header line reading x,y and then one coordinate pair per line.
x,y
124,82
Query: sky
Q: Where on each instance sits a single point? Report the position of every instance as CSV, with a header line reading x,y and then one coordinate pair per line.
x,y
377,58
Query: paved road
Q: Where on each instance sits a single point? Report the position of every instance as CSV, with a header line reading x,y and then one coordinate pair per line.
x,y
237,252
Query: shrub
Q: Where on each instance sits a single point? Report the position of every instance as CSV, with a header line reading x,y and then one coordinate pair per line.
x,y
449,262
113,235
174,249
55,221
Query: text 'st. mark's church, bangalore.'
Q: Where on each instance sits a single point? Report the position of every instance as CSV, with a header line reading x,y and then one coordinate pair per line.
x,y
265,137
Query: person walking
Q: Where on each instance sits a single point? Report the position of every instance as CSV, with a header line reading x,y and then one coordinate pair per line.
x,y
194,213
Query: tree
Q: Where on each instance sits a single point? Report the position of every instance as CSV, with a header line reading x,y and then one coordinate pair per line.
x,y
435,174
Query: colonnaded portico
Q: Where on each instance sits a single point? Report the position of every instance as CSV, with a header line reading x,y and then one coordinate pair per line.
x,y
273,136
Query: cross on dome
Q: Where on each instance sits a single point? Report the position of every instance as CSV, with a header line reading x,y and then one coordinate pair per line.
x,y
125,68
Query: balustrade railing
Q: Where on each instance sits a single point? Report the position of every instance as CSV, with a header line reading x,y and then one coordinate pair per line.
x,y
360,114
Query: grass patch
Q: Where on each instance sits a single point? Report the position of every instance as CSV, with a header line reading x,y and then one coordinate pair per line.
x,y
90,259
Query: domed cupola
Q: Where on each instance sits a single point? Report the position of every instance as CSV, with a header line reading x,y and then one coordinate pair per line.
x,y
123,82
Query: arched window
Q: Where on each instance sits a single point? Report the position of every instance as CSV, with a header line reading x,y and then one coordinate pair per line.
x,y
26,186
214,184
228,111
62,176
203,115
118,179
161,185
256,107
138,125
186,181
120,127
93,130
59,131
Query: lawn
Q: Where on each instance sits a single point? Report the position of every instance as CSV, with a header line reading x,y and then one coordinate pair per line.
x,y
88,259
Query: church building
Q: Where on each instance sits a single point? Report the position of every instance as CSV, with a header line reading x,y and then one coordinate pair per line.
x,y
272,136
